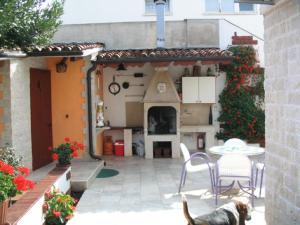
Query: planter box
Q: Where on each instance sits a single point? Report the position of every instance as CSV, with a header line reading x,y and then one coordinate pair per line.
x,y
28,209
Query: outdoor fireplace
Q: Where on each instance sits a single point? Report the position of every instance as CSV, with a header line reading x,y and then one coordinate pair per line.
x,y
161,120
161,116
162,149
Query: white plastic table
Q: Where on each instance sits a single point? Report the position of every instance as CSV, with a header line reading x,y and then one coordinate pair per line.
x,y
247,150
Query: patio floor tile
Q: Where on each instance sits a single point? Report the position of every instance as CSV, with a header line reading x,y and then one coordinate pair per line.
x,y
145,192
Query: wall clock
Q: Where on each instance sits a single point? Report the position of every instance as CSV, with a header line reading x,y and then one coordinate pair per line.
x,y
114,88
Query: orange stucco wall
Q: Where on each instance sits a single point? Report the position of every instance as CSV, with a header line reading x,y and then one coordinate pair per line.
x,y
67,101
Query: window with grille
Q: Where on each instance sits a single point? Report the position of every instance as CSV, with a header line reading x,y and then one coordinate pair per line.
x,y
150,7
227,6
219,5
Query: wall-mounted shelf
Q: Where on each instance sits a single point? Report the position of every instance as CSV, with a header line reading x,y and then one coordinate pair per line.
x,y
101,129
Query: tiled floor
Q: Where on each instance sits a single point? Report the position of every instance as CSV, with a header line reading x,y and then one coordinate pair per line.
x,y
145,192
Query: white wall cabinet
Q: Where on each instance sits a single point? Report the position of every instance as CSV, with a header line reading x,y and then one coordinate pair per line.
x,y
198,90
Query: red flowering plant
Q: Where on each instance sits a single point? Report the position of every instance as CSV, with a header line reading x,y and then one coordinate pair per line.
x,y
242,113
58,207
13,181
65,152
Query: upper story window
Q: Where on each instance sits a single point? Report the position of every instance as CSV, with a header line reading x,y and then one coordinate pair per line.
x,y
246,7
227,6
150,7
219,6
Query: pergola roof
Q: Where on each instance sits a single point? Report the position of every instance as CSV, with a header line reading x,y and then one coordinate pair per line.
x,y
163,55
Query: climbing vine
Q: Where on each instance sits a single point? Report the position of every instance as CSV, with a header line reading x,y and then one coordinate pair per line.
x,y
242,100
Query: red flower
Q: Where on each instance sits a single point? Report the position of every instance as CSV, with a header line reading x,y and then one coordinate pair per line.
x,y
81,146
50,148
45,207
67,139
24,170
55,156
56,213
69,217
73,148
21,183
30,184
73,207
5,168
75,154
48,194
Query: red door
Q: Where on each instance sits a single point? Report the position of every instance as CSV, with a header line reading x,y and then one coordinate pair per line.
x,y
41,117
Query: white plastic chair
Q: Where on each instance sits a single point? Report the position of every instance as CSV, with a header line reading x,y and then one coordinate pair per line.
x,y
235,142
235,168
188,167
260,168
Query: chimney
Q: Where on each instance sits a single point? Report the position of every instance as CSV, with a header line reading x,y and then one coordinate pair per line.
x,y
160,23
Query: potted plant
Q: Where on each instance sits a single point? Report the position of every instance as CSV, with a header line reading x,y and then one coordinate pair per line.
x,y
58,207
12,182
65,152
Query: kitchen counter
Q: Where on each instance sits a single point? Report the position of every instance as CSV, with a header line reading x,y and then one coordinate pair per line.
x,y
197,128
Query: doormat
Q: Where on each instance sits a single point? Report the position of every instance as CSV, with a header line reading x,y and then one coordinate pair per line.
x,y
104,173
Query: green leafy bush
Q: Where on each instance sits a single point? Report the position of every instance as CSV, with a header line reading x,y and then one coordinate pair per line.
x,y
58,207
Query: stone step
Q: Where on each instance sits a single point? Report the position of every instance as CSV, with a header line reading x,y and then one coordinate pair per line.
x,y
84,172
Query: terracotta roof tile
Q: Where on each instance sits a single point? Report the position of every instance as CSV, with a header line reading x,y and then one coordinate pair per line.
x,y
58,49
112,56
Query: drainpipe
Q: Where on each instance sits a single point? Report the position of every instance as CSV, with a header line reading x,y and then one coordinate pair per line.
x,y
90,113
160,23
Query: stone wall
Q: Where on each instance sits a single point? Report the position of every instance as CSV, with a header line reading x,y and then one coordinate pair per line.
x,y
134,35
5,113
282,85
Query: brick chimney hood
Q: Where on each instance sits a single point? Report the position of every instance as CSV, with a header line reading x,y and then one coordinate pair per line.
x,y
161,88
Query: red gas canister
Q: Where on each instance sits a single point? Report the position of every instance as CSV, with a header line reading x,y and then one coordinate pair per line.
x,y
119,148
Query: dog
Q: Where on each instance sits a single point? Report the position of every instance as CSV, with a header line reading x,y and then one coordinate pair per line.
x,y
233,213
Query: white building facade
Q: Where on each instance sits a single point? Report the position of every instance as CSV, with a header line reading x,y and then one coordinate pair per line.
x,y
117,23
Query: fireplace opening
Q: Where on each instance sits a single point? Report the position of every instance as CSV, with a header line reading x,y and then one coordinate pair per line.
x,y
162,149
161,120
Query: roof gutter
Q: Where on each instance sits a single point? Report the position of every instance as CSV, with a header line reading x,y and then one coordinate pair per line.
x,y
12,55
90,114
164,59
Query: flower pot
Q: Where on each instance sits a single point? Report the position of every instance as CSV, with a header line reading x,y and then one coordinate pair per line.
x,y
3,211
45,223
63,165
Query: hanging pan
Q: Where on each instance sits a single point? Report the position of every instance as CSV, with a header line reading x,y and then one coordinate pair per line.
x,y
126,85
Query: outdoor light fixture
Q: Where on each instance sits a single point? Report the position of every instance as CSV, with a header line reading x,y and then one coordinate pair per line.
x,y
61,67
121,67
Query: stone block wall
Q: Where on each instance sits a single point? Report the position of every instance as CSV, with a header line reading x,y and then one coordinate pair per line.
x,y
282,85
5,112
